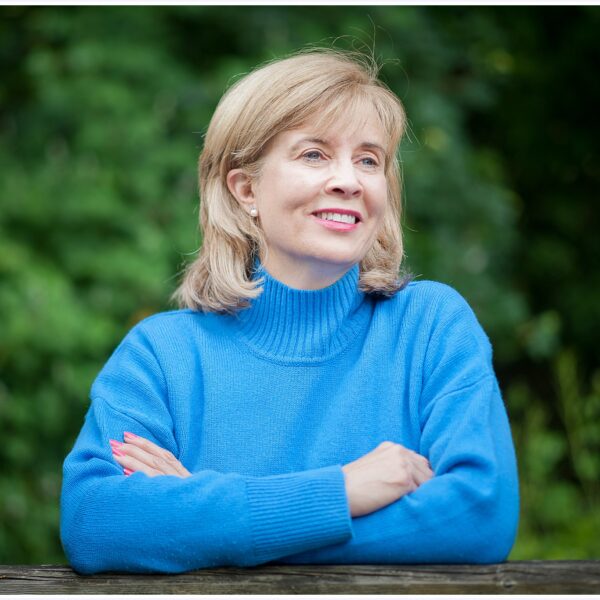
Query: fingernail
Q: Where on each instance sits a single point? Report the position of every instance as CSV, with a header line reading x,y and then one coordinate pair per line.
x,y
118,452
129,434
127,471
115,444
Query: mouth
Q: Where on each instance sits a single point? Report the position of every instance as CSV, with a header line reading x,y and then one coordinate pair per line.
x,y
348,217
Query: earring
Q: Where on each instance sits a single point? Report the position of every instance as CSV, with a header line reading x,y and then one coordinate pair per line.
x,y
253,212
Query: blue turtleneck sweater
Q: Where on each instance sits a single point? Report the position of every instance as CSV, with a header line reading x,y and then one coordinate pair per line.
x,y
265,406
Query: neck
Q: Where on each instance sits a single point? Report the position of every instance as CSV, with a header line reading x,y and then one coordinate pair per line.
x,y
308,276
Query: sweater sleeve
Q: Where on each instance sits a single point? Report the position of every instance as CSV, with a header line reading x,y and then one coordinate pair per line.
x,y
110,522
468,512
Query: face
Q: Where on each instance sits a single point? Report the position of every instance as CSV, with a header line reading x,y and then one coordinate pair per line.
x,y
321,198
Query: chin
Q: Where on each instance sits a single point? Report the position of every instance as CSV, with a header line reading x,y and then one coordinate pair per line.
x,y
337,260
339,256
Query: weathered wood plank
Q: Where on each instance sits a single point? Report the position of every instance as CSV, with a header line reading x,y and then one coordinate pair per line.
x,y
517,577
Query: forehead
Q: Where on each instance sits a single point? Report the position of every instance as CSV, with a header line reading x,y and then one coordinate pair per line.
x,y
365,130
351,117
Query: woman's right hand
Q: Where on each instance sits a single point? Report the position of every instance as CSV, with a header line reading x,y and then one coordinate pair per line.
x,y
383,476
137,453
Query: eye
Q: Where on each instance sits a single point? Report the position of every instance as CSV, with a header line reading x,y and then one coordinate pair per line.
x,y
313,155
369,161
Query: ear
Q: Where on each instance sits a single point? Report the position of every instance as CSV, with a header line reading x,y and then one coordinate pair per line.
x,y
240,186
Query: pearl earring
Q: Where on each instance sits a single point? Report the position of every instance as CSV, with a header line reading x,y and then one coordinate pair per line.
x,y
253,212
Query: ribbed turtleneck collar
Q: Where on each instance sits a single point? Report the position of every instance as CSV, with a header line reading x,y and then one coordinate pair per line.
x,y
287,324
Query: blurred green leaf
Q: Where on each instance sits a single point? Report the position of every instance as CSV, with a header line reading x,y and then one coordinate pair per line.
x,y
102,113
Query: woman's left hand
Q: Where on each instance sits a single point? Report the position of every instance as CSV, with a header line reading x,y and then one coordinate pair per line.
x,y
139,454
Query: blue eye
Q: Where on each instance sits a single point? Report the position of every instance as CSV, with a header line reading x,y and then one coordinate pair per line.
x,y
313,155
368,161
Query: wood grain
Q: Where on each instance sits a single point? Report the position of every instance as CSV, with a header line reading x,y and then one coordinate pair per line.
x,y
517,577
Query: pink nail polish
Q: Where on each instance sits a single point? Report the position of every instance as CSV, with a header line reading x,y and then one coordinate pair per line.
x,y
115,444
118,452
127,471
129,434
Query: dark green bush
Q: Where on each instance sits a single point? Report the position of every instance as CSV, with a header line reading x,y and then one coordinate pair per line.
x,y
102,112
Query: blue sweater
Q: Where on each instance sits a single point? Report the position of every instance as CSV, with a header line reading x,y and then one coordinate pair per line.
x,y
264,407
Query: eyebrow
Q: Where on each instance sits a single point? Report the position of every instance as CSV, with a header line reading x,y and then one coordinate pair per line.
x,y
319,141
373,146
308,140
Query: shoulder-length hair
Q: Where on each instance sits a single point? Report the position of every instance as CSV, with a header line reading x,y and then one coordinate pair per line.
x,y
316,86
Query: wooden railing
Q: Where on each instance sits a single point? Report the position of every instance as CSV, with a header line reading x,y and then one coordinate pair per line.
x,y
517,577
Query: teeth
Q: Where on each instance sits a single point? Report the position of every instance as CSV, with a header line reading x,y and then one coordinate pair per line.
x,y
329,216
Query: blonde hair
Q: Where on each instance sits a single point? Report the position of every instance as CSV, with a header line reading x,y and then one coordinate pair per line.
x,y
316,86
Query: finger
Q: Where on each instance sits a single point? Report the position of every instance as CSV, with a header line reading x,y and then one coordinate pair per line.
x,y
133,464
424,462
180,470
421,472
153,456
141,456
153,461
419,477
143,443
415,466
173,466
420,464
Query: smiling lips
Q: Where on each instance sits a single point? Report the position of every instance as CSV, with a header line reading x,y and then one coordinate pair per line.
x,y
340,220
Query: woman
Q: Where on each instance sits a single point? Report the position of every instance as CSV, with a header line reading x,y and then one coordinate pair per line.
x,y
308,406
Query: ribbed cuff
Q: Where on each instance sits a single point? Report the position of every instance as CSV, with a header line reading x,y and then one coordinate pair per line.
x,y
298,512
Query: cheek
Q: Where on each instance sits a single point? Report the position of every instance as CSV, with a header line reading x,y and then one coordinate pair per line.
x,y
279,189
379,200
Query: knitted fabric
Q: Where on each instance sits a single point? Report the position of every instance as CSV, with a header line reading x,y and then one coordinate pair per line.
x,y
265,406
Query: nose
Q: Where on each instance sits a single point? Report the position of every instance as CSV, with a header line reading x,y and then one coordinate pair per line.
x,y
343,181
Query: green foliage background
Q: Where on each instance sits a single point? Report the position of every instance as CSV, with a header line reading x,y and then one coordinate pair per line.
x,y
102,111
